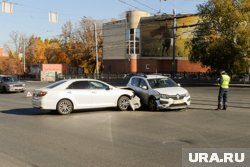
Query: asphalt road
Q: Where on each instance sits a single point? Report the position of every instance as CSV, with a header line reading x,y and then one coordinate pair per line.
x,y
110,138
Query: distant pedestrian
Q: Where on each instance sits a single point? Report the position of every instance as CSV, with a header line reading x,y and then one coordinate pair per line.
x,y
223,81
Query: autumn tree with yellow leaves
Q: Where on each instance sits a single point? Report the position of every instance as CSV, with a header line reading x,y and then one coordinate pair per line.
x,y
222,38
74,47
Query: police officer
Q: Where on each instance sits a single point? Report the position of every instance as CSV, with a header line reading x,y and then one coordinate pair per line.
x,y
223,81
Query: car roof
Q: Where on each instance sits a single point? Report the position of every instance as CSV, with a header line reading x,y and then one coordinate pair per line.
x,y
82,79
7,75
70,81
155,76
85,79
151,76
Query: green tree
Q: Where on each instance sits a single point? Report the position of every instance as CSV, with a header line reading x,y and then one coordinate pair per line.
x,y
86,35
222,38
51,50
35,51
78,43
13,64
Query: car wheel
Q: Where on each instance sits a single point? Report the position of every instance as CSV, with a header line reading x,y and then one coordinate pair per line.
x,y
5,90
152,104
64,107
123,103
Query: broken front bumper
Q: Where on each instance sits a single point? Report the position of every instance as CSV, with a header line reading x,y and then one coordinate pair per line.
x,y
135,103
173,103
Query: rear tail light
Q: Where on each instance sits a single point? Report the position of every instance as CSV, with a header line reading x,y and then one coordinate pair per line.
x,y
40,94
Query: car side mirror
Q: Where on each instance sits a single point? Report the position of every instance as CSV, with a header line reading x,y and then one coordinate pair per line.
x,y
144,87
109,88
179,84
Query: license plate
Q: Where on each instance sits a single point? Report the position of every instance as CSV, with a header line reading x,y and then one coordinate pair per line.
x,y
178,101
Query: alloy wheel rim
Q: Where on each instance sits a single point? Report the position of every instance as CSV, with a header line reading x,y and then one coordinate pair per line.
x,y
65,107
124,103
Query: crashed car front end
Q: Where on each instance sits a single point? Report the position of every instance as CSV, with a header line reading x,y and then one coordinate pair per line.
x,y
178,101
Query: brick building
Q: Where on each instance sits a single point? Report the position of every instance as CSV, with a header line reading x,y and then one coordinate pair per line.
x,y
144,43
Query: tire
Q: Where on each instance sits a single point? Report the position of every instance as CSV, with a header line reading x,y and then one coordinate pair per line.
x,y
152,106
123,103
5,90
64,107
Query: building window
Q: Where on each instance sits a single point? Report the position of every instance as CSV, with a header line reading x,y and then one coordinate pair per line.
x,y
132,34
133,41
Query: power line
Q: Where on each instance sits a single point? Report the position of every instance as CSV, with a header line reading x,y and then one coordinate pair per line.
x,y
128,4
145,5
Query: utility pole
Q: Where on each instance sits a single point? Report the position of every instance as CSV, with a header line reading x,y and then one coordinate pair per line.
x,y
174,43
96,51
24,57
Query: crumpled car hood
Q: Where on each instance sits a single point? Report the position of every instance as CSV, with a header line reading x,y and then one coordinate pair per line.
x,y
172,90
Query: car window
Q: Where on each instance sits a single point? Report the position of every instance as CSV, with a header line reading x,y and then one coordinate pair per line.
x,y
55,84
142,83
97,85
161,83
79,85
9,79
135,81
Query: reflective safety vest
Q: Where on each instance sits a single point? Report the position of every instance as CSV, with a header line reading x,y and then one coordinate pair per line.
x,y
225,79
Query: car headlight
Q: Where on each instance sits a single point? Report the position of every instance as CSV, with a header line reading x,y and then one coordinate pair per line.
x,y
164,96
187,94
10,86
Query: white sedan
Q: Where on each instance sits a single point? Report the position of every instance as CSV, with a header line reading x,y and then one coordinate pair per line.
x,y
74,94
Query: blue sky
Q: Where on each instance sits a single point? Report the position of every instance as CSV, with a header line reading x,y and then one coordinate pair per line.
x,y
30,17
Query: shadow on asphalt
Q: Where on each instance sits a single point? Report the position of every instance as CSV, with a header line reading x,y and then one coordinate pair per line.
x,y
202,108
34,111
144,109
26,111
37,112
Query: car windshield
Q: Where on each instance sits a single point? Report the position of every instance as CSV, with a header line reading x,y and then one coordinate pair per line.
x,y
161,83
9,79
55,84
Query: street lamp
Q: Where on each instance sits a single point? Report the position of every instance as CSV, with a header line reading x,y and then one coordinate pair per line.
x,y
96,51
174,43
24,56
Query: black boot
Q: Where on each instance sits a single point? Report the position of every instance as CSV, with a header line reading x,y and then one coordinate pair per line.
x,y
224,107
219,107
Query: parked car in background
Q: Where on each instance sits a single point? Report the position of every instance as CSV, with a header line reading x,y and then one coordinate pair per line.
x,y
74,94
159,92
10,83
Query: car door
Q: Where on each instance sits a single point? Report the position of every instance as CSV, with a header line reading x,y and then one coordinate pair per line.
x,y
103,96
135,84
142,91
81,93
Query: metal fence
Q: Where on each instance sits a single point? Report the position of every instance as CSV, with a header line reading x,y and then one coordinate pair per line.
x,y
120,79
